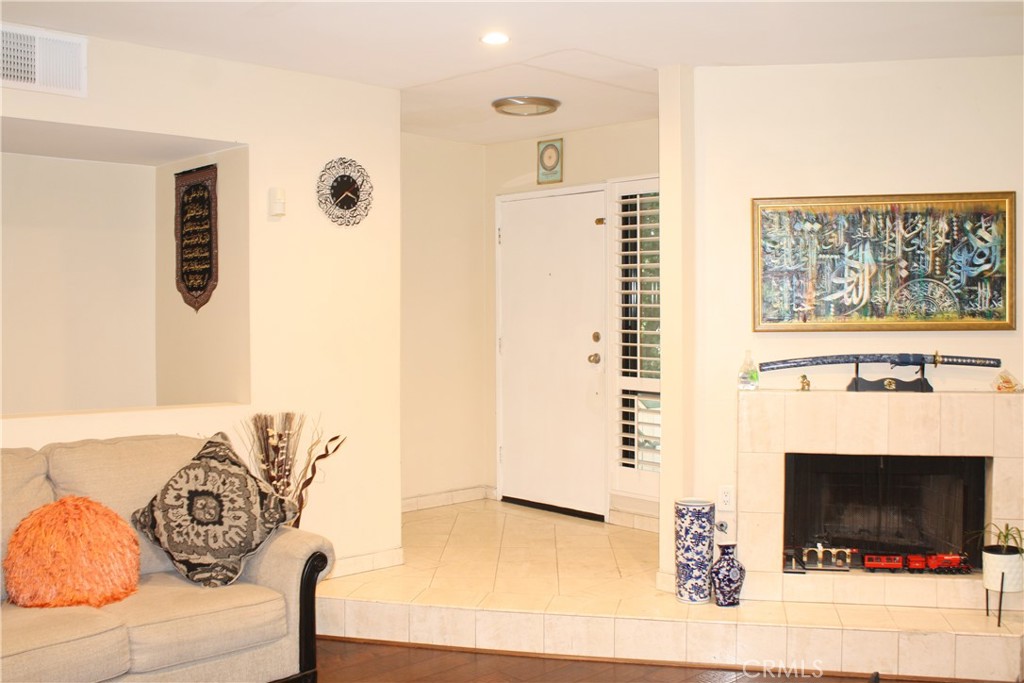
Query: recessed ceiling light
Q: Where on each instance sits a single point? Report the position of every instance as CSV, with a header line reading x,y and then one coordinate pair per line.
x,y
526,105
494,38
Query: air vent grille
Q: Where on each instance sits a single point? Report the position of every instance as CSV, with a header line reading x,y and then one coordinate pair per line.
x,y
46,61
19,57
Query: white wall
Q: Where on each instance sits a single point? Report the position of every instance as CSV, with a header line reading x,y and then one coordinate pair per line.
x,y
78,285
445,347
87,242
589,156
901,127
679,391
324,300
203,356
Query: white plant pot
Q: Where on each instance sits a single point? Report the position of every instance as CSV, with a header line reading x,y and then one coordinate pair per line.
x,y
1008,567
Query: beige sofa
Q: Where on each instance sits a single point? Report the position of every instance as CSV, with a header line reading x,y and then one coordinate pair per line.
x,y
259,628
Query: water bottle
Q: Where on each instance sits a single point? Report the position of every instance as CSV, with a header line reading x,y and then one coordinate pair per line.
x,y
747,380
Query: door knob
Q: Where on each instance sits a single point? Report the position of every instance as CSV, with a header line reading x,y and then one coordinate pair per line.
x,y
594,358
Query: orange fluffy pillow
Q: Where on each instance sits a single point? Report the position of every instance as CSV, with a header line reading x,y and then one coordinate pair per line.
x,y
74,551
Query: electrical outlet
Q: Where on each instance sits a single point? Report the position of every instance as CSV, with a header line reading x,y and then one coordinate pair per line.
x,y
727,498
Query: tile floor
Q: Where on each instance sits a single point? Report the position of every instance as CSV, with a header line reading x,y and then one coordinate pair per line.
x,y
491,575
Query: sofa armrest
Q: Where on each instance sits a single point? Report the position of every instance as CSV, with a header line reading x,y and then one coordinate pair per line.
x,y
291,562
279,561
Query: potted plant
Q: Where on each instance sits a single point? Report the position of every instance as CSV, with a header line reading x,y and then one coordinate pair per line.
x,y
1003,561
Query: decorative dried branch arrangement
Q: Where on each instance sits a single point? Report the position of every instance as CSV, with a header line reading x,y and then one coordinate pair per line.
x,y
273,452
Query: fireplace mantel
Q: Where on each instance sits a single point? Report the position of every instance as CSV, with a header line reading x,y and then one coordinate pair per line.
x,y
772,423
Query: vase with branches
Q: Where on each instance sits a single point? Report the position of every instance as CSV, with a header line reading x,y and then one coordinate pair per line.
x,y
274,442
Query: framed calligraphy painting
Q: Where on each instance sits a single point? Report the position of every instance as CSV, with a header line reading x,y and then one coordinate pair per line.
x,y
195,234
885,262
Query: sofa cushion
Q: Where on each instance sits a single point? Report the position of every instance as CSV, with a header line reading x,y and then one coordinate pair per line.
x,y
212,514
25,488
172,621
122,473
62,644
73,551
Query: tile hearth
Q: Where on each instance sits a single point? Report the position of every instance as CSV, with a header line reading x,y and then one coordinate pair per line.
x,y
495,576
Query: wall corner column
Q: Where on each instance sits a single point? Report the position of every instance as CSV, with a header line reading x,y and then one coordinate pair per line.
x,y
678,303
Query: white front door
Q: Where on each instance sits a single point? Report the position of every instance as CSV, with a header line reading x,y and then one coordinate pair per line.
x,y
552,334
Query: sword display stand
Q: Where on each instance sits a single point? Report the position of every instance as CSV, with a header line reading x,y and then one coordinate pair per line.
x,y
999,619
858,383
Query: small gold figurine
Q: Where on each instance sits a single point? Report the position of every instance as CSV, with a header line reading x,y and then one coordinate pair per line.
x,y
805,384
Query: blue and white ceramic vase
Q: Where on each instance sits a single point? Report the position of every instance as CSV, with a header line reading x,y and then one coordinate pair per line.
x,y
727,575
695,535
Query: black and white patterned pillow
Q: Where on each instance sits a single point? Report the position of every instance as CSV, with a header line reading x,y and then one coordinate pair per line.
x,y
211,515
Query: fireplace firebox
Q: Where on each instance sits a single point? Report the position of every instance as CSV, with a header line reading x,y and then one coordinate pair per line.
x,y
883,504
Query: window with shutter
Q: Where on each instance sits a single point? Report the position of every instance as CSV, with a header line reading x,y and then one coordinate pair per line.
x,y
638,314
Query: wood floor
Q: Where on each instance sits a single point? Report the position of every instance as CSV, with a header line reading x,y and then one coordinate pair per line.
x,y
348,661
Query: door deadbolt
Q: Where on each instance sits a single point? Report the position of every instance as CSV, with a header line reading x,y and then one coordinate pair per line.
x,y
596,336
594,358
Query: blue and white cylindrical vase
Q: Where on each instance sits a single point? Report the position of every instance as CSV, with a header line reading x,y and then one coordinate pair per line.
x,y
695,536
727,575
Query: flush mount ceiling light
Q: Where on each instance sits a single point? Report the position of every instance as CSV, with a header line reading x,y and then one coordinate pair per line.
x,y
526,105
494,38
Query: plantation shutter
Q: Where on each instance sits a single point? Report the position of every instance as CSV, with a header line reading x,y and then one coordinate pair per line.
x,y
638,314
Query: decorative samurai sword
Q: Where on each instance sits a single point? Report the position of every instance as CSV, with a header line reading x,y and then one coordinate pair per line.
x,y
858,383
893,359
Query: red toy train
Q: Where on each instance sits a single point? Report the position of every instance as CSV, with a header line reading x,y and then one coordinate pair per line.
x,y
938,563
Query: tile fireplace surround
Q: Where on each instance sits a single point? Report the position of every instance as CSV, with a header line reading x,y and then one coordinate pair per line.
x,y
773,423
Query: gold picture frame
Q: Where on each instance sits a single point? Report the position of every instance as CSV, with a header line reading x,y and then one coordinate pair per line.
x,y
885,262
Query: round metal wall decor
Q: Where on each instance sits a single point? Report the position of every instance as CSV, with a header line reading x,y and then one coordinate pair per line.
x,y
344,191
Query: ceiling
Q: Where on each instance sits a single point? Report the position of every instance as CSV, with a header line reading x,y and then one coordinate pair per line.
x,y
599,58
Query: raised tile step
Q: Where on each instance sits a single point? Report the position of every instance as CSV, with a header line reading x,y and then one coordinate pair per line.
x,y
756,637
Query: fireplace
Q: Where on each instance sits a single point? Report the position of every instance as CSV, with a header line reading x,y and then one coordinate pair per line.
x,y
882,504
980,427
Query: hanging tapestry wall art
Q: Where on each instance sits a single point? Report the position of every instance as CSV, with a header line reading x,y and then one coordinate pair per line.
x,y
896,262
195,234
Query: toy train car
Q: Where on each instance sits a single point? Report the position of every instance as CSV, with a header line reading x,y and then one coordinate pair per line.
x,y
937,563
891,562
